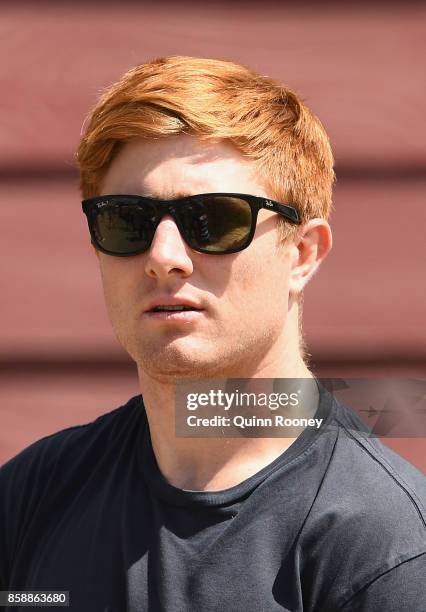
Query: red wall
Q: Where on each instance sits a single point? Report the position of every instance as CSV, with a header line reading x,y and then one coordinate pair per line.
x,y
358,67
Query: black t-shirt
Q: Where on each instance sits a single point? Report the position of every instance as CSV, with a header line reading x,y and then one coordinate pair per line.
x,y
337,522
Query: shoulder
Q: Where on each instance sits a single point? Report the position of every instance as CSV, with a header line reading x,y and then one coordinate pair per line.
x,y
41,473
368,516
62,448
374,477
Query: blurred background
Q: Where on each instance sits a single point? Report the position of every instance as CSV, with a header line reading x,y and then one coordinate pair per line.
x,y
360,67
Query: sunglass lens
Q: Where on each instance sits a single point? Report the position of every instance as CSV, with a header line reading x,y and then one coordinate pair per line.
x,y
124,228
217,223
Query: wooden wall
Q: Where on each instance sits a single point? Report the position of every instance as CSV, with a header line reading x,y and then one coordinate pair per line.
x,y
358,66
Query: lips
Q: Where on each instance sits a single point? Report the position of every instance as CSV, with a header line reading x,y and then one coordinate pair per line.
x,y
179,308
174,311
175,304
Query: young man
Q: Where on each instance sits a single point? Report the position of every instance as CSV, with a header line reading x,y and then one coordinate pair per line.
x,y
207,189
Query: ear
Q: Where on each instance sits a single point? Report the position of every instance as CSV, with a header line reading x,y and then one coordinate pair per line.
x,y
310,248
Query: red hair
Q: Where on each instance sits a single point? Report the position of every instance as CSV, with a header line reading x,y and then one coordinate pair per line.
x,y
214,99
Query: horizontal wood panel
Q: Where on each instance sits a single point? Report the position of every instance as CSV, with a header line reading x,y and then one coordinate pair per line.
x,y
359,67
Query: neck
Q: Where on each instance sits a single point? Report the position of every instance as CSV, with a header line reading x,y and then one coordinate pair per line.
x,y
211,464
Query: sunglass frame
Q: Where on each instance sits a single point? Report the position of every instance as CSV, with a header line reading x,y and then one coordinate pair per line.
x,y
92,206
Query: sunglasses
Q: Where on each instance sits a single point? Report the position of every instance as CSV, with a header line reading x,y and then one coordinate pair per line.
x,y
214,223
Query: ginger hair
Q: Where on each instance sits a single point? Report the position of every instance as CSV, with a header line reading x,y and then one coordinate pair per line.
x,y
215,99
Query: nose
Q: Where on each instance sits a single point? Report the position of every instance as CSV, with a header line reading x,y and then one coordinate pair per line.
x,y
168,253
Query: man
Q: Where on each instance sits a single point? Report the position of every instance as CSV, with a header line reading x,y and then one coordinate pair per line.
x,y
123,513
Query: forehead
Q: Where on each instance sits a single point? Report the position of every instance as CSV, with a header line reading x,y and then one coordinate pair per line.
x,y
181,165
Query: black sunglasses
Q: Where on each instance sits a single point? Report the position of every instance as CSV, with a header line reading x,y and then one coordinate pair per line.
x,y
214,223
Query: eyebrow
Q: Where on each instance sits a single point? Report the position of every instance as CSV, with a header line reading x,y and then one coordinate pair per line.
x,y
170,195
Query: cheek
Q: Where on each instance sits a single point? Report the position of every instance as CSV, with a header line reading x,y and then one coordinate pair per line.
x,y
117,288
263,283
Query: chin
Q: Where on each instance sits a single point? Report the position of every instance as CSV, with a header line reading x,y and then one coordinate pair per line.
x,y
172,361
